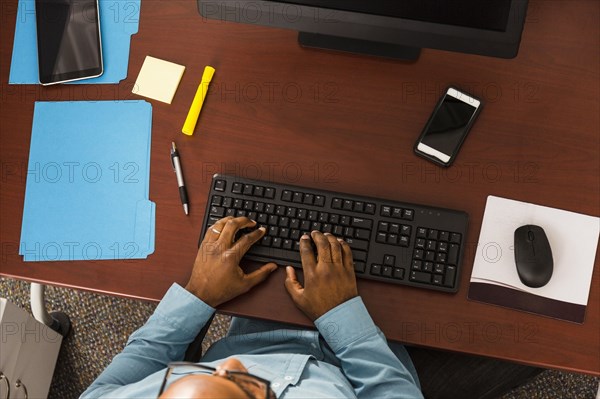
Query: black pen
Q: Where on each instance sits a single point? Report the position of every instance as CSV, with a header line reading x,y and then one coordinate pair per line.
x,y
179,174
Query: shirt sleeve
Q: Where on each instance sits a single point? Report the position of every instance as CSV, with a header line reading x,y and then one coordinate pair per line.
x,y
164,338
366,359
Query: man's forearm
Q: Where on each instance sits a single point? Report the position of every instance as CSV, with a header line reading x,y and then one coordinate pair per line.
x,y
163,339
367,361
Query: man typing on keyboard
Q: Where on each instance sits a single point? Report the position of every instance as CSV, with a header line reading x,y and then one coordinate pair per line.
x,y
346,357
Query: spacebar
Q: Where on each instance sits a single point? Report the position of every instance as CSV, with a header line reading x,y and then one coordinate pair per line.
x,y
282,257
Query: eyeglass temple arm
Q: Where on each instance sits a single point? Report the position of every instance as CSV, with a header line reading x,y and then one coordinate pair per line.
x,y
194,350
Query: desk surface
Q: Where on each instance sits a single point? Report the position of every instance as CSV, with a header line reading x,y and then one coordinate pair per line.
x,y
347,123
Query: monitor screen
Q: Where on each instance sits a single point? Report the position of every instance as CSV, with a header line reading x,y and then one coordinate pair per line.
x,y
488,14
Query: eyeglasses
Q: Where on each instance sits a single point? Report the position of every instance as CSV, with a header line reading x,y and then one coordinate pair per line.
x,y
253,386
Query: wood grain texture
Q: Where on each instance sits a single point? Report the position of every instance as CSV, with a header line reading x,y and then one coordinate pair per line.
x,y
347,123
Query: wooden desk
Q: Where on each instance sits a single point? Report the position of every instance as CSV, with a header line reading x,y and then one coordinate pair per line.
x,y
348,123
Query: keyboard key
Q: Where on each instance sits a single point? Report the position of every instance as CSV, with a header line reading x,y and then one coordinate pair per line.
x,y
294,223
362,234
240,213
420,277
422,232
298,197
443,246
428,267
349,232
404,241
362,223
220,185
420,243
334,219
217,200
453,254
389,260
359,206
217,211
319,200
383,227
386,271
359,255
381,237
227,202
238,203
273,220
280,210
345,220
455,238
323,217
439,268
259,191
398,273
269,192
386,211
273,231
392,239
237,188
286,195
449,277
437,279
305,225
431,244
357,244
348,205
429,255
301,214
230,212
336,203
440,257
295,234
370,208
259,207
284,221
315,226
309,199
405,230
417,265
359,267
248,189
291,212
338,231
284,232
376,270
418,254
394,228
266,241
287,244
444,236
248,205
313,215
327,228
408,214
397,213
432,234
276,242
252,215
262,218
270,209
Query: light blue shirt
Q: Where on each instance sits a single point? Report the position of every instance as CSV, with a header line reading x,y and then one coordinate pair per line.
x,y
348,357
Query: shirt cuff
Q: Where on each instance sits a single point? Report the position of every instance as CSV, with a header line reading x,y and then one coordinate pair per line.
x,y
183,309
346,323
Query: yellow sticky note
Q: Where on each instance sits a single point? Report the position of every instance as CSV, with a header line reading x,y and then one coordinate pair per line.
x,y
158,79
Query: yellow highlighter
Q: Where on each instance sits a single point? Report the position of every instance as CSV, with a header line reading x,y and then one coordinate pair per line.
x,y
194,113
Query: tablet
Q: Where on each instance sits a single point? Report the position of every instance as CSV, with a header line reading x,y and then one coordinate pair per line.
x,y
68,40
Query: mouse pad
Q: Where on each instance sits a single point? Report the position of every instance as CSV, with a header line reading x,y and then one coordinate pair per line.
x,y
573,238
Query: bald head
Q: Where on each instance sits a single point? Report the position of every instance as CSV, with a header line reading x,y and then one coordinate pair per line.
x,y
204,386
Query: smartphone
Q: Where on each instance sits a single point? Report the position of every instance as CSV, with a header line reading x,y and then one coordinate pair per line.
x,y
68,40
448,126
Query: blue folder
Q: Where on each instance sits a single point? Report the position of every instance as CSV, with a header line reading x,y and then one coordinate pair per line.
x,y
119,19
87,190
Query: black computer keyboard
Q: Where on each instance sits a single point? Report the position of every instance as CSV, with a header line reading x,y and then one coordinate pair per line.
x,y
391,241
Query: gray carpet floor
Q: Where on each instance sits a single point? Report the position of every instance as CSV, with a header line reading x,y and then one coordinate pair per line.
x,y
101,325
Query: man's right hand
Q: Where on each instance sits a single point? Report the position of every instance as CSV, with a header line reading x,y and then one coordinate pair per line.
x,y
329,278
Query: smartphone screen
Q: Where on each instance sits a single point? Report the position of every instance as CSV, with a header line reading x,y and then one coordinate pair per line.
x,y
448,126
68,40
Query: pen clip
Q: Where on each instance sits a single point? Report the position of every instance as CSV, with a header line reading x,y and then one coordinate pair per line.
x,y
173,155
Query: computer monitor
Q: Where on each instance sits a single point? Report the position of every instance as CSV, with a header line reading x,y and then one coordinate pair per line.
x,y
388,28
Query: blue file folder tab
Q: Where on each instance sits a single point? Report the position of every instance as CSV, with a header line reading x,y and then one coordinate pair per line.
x,y
119,19
87,190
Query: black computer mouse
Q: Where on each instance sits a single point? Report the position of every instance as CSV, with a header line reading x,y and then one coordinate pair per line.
x,y
533,256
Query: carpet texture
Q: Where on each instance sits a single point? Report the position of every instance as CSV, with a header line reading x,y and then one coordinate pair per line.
x,y
101,325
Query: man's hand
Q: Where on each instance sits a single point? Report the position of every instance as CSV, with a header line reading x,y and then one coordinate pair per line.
x,y
217,276
329,279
